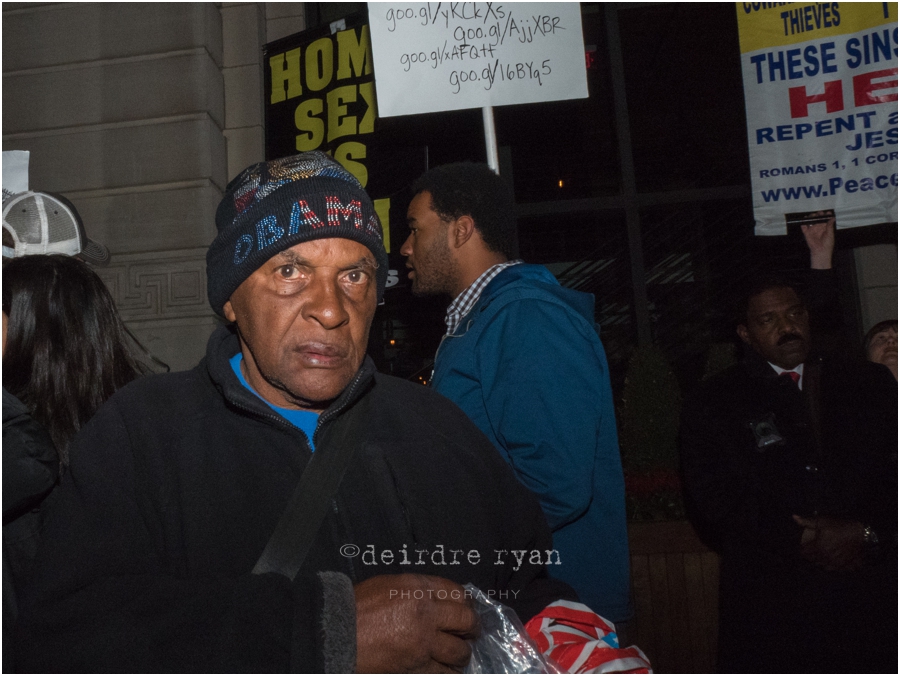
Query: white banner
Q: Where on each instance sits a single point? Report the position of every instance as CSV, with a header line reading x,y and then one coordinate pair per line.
x,y
820,85
438,56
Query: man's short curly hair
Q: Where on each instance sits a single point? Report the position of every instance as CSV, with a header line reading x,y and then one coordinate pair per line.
x,y
473,189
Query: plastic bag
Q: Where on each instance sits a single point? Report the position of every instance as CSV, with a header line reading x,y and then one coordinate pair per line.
x,y
504,646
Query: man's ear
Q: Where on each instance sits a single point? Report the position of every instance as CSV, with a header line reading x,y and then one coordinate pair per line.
x,y
743,333
229,311
461,231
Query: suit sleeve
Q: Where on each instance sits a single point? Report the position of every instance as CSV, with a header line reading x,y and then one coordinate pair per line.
x,y
107,596
831,334
543,369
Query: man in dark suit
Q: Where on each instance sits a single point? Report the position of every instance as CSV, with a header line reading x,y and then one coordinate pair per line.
x,y
790,468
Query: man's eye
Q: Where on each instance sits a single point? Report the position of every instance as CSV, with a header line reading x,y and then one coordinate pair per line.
x,y
288,271
356,277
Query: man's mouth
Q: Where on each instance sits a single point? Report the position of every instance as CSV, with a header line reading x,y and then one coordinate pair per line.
x,y
321,354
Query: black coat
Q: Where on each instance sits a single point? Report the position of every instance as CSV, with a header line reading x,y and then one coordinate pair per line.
x,y
30,460
176,485
753,455
30,470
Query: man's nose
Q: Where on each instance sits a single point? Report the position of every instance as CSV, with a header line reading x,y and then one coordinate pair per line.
x,y
787,325
326,304
406,249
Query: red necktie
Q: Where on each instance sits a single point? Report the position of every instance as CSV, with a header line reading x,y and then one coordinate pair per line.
x,y
793,375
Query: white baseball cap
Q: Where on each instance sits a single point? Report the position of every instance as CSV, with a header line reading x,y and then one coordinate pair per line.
x,y
45,223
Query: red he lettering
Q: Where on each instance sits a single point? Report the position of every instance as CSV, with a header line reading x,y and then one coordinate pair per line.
x,y
833,96
863,87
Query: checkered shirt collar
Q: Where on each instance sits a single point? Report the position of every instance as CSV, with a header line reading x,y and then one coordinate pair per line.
x,y
464,302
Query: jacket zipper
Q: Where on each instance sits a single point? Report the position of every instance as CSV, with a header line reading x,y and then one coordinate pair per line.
x,y
441,344
325,417
328,415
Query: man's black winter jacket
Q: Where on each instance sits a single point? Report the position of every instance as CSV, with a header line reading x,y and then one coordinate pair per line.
x,y
755,451
176,485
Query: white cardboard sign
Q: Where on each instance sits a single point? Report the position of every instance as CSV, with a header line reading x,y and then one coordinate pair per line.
x,y
435,56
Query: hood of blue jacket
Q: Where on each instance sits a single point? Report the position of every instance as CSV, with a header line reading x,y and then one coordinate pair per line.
x,y
510,278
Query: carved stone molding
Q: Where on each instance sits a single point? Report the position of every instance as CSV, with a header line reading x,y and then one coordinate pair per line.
x,y
158,285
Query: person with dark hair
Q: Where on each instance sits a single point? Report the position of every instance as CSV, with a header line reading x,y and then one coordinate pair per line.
x,y
881,345
67,349
523,358
790,470
282,507
65,352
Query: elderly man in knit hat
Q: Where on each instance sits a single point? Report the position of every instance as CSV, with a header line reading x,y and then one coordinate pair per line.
x,y
282,506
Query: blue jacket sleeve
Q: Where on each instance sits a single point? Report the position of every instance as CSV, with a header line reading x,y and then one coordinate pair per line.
x,y
549,403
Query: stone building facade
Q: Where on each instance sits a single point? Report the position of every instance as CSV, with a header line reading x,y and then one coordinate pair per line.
x,y
140,113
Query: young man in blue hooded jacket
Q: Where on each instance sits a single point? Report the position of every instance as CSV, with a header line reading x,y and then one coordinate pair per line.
x,y
521,356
